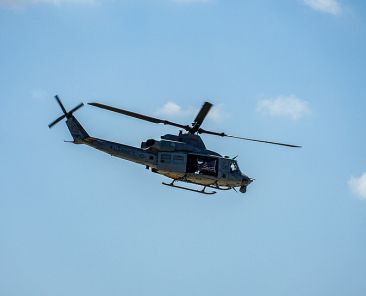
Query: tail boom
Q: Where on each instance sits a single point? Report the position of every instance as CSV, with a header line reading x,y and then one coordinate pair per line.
x,y
126,152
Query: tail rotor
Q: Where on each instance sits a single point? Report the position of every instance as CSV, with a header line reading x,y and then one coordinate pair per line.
x,y
66,114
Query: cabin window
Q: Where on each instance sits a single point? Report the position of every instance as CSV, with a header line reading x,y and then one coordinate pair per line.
x,y
165,158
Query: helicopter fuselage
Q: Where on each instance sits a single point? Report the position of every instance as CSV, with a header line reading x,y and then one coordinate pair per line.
x,y
181,158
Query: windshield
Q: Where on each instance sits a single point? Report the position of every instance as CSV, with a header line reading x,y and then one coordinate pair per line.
x,y
234,166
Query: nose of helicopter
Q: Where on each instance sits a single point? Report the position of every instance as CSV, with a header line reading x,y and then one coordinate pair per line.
x,y
246,181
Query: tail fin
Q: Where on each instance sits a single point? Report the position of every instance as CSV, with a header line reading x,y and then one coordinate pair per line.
x,y
77,131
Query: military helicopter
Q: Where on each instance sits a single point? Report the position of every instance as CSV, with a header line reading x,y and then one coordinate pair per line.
x,y
183,157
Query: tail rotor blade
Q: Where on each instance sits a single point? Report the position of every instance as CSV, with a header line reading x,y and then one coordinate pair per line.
x,y
66,114
76,108
60,103
56,121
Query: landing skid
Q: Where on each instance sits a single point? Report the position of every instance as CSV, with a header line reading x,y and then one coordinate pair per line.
x,y
220,188
189,189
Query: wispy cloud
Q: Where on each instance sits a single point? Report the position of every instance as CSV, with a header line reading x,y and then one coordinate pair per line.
x,y
24,3
327,6
172,109
191,1
358,186
284,106
39,94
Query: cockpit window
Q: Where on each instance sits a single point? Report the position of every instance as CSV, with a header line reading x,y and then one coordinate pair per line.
x,y
234,167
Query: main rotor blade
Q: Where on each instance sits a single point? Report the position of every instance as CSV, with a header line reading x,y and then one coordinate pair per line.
x,y
201,116
139,116
202,131
56,121
60,103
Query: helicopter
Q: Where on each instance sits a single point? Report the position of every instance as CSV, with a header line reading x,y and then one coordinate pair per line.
x,y
182,158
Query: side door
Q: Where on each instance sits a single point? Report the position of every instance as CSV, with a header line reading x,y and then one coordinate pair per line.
x,y
224,168
202,165
172,161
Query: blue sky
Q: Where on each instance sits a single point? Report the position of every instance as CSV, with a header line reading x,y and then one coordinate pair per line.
x,y
74,221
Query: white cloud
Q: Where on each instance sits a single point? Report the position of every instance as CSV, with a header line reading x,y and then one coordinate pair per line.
x,y
284,106
172,109
327,6
358,186
24,3
217,113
